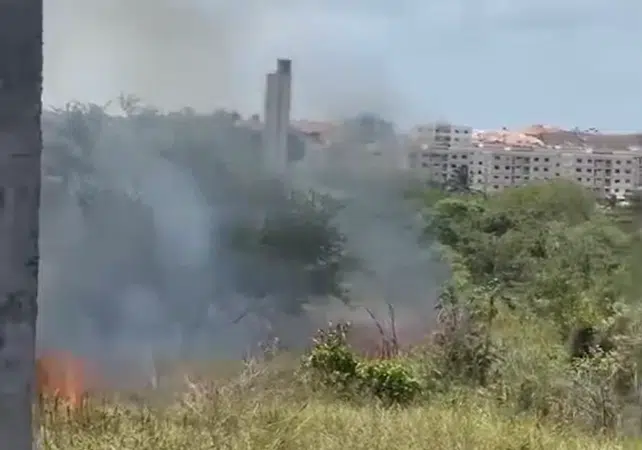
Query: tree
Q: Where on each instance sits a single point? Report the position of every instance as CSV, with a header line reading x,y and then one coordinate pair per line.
x,y
296,254
21,145
553,253
71,148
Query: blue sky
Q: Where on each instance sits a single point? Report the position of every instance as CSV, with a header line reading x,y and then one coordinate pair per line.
x,y
488,63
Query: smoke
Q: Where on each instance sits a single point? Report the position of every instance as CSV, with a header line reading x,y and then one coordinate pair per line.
x,y
383,230
126,271
214,54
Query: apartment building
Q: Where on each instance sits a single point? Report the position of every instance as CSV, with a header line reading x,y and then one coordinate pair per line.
x,y
443,134
495,166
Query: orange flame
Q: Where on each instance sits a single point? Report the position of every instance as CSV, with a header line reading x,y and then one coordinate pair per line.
x,y
63,377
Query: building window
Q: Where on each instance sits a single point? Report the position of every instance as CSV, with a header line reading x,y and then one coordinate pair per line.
x,y
579,160
545,159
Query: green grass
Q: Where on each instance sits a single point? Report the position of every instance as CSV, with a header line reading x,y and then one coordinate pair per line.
x,y
267,409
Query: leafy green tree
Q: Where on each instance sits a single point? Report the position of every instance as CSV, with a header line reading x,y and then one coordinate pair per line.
x,y
296,254
553,252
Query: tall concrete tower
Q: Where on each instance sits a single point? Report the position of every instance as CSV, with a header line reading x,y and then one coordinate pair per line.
x,y
277,118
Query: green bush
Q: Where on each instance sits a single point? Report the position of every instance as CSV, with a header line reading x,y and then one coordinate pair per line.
x,y
391,381
332,364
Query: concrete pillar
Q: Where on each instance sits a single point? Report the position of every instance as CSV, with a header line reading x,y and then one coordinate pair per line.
x,y
277,117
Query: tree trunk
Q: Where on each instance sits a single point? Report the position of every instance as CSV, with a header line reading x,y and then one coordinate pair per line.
x,y
20,150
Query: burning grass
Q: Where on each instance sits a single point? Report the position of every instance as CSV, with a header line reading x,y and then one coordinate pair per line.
x,y
265,406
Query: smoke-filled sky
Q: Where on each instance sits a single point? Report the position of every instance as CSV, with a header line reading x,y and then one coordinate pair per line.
x,y
488,63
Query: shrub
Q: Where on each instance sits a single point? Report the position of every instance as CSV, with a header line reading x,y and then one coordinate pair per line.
x,y
464,347
390,381
332,364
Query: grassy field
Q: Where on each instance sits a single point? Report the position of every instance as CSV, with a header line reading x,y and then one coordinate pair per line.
x,y
267,409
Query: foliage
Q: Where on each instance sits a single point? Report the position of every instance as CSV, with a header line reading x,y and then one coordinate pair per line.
x,y
332,363
464,346
547,245
389,380
532,268
265,408
281,246
538,316
540,254
300,248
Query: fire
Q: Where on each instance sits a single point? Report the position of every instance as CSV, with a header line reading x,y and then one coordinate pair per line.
x,y
62,377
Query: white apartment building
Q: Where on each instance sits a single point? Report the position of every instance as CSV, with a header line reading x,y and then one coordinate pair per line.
x,y
443,134
492,167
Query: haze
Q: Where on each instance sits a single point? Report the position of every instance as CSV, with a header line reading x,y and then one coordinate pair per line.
x,y
487,63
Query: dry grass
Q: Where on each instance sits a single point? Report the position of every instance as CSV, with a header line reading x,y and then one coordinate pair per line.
x,y
267,409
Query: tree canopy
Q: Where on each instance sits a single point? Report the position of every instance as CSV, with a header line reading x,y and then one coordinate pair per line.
x,y
550,248
270,243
